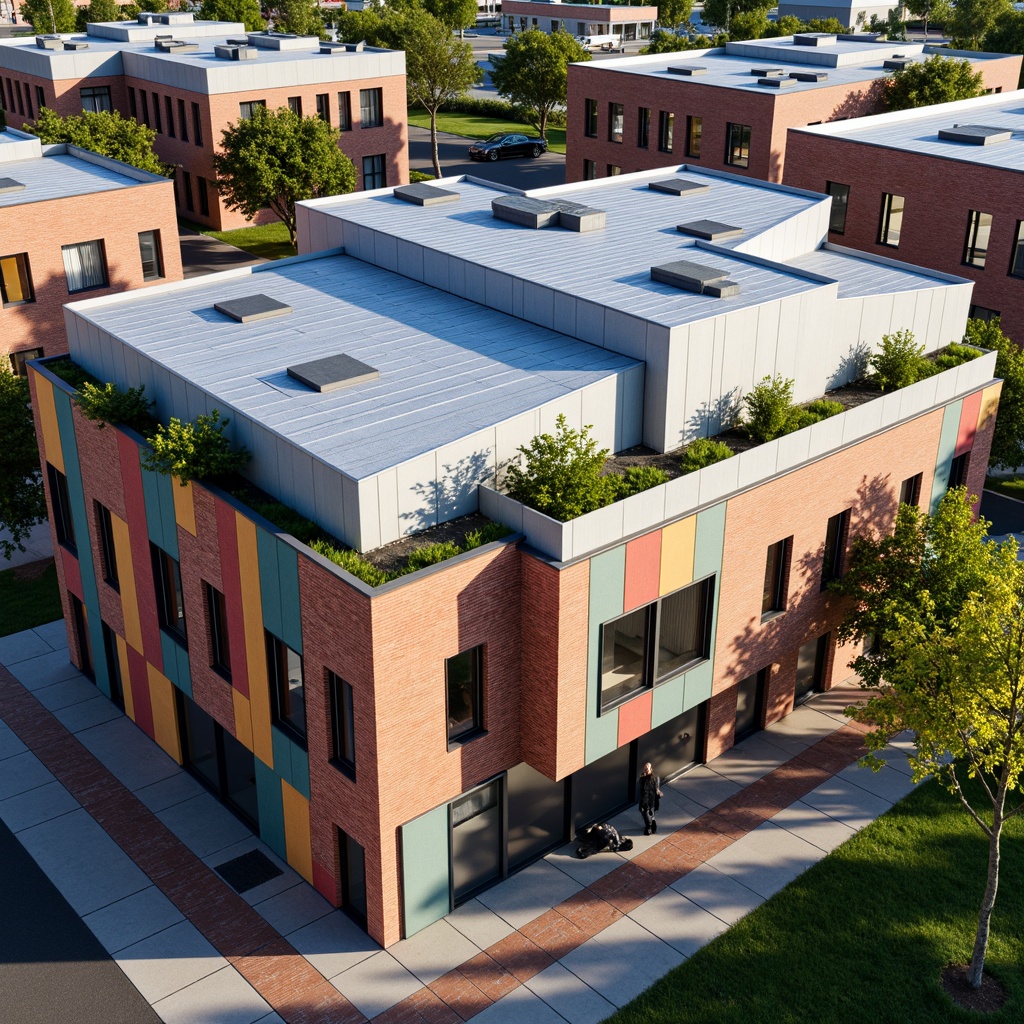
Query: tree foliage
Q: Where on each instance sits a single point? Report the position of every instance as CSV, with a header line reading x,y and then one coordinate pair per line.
x,y
276,158
1008,437
107,403
946,611
438,67
669,42
99,11
299,16
458,14
245,11
936,11
673,12
49,16
973,19
103,132
561,473
22,501
936,80
533,71
769,407
1007,36
720,13
193,451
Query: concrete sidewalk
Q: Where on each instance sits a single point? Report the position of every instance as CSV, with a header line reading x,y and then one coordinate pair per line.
x,y
132,841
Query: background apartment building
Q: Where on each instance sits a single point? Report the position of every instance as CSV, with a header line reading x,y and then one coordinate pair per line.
x,y
731,108
939,186
73,224
582,20
407,745
189,80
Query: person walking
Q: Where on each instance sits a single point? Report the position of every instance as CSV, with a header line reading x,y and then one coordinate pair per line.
x,y
650,798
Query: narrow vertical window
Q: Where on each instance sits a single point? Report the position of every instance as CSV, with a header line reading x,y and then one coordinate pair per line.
x,y
323,106
643,127
979,227
464,693
170,116
840,202
133,108
295,105
614,122
287,690
151,255
666,129
344,111
113,665
170,599
773,598
40,97
182,125
145,106
108,553
589,170
910,490
220,650
737,145
958,470
343,732
189,202
197,125
204,197
891,221
371,108
835,547
694,131
63,524
590,119
1017,258
157,120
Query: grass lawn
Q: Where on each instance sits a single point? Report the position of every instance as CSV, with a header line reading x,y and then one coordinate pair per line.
x,y
267,240
475,126
26,603
1012,487
861,938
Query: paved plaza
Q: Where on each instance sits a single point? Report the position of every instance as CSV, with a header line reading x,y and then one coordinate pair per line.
x,y
131,841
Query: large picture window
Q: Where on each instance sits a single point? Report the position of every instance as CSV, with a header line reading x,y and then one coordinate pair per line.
x,y
287,690
95,98
651,644
464,692
85,265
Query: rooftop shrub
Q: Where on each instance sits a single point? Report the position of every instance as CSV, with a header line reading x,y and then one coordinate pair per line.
x,y
636,479
107,403
769,407
193,450
898,363
704,451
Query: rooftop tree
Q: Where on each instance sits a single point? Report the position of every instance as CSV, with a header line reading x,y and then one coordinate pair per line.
x,y
276,158
533,71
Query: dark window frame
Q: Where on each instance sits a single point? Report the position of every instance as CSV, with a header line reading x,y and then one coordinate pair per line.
x,y
910,490
833,559
378,174
280,697
666,131
157,261
197,124
694,136
60,501
25,278
323,106
776,578
91,285
476,727
169,108
643,127
619,118
737,144
344,111
217,621
143,96
590,119
840,206
170,595
1017,253
108,550
20,356
133,107
115,679
885,231
589,170
157,116
40,97
974,255
186,179
182,122
371,108
295,105
959,468
341,703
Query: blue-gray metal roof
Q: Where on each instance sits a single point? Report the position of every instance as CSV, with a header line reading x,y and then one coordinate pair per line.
x,y
57,177
858,276
917,131
448,367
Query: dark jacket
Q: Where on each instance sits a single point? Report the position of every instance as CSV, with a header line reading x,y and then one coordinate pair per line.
x,y
650,793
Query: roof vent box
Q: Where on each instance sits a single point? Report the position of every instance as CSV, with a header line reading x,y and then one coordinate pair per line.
x,y
679,187
768,72
49,42
333,372
176,46
709,230
687,69
809,76
8,185
896,63
236,52
545,213
248,308
73,45
422,194
975,134
696,277
814,39
777,83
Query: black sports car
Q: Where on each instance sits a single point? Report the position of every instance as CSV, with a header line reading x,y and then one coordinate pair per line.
x,y
507,144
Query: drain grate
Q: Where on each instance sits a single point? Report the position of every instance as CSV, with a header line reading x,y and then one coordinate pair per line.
x,y
246,872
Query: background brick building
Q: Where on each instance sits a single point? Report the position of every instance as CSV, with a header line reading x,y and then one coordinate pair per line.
x,y
73,223
406,745
189,80
939,186
731,108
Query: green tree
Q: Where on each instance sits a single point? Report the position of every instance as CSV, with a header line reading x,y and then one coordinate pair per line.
x,y
276,158
1007,36
98,11
720,13
561,474
787,25
673,12
299,16
1008,437
935,80
669,42
103,132
458,14
749,24
953,671
22,501
973,19
532,72
246,11
50,16
438,67
937,11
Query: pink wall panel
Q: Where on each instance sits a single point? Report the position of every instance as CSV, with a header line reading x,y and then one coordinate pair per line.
x,y
635,718
72,572
968,423
643,570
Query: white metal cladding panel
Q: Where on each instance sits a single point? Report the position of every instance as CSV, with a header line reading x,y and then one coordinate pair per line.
x,y
328,498
348,517
387,501
57,65
448,368
58,177
630,419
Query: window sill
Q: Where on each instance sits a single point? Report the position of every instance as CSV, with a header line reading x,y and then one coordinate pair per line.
x,y
624,699
455,742
71,549
773,614
91,288
348,770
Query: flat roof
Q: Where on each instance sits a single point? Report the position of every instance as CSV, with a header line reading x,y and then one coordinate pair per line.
x,y
448,367
917,131
58,174
848,61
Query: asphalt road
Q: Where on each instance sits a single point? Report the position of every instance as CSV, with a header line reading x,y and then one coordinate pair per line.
x,y
52,968
520,172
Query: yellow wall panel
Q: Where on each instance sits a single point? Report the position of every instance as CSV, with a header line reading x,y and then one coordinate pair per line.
x,y
255,645
677,543
243,722
126,677
184,507
165,715
48,419
989,403
296,831
126,581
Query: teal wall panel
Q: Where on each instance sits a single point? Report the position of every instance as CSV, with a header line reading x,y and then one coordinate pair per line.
x,y
607,584
698,689
176,665
426,860
947,447
300,770
282,754
270,583
668,701
288,576
268,795
159,498
83,538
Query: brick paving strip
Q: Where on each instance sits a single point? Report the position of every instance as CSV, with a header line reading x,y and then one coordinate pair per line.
x,y
294,988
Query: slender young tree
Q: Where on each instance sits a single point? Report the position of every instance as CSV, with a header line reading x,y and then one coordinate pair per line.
x,y
929,10
50,16
438,67
22,502
276,158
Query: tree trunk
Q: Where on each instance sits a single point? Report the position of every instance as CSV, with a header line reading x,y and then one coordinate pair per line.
x,y
433,142
926,28
543,122
987,903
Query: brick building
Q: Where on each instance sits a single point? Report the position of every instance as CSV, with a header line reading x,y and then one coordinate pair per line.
x,y
939,186
731,108
408,744
189,80
581,20
73,224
